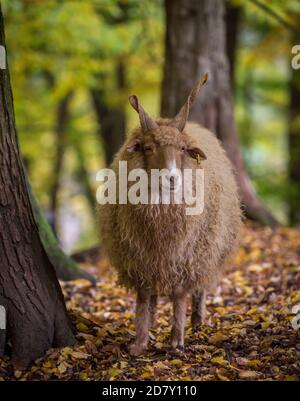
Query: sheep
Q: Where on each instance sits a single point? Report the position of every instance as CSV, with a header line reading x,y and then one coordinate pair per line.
x,y
157,249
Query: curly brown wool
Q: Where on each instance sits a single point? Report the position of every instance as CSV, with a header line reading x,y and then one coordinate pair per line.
x,y
159,250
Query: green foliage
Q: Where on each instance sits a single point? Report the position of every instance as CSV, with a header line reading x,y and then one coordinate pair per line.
x,y
56,46
263,74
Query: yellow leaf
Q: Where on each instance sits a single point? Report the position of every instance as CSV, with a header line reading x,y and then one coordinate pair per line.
x,y
82,327
161,365
147,374
176,362
221,376
62,367
151,335
83,376
255,268
217,338
123,364
114,372
79,355
219,360
247,374
248,290
291,378
18,373
222,311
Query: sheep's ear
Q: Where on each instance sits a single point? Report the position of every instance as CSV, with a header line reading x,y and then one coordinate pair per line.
x,y
134,146
181,118
147,123
197,154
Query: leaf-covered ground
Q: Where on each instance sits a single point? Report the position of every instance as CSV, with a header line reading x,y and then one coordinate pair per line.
x,y
249,333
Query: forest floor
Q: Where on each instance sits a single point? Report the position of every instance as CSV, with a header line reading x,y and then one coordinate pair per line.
x,y
251,331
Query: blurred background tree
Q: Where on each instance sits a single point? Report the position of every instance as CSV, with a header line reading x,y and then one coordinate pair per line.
x,y
74,64
195,44
294,129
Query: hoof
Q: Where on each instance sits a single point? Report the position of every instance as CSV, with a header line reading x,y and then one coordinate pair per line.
x,y
197,322
177,343
196,327
137,349
178,350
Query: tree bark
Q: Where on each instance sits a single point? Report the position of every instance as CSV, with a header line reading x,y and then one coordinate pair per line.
x,y
111,119
36,314
195,44
232,22
294,138
66,268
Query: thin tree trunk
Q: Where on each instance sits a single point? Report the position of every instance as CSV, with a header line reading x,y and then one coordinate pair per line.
x,y
36,314
91,255
294,138
111,119
233,17
66,268
83,177
62,119
195,43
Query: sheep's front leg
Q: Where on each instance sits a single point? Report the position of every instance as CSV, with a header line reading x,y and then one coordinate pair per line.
x,y
198,308
179,315
152,309
142,323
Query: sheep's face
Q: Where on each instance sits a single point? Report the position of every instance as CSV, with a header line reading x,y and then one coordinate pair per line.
x,y
165,148
163,144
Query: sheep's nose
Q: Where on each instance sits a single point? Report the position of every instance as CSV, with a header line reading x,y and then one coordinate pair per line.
x,y
173,179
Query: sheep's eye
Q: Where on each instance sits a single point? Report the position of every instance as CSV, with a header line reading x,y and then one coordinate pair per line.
x,y
147,149
134,147
183,149
197,154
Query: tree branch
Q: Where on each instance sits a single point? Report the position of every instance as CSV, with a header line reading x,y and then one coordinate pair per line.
x,y
275,15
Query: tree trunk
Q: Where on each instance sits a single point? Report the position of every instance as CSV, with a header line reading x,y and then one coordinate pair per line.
x,y
233,17
66,268
195,43
91,255
36,314
294,138
62,119
111,119
82,175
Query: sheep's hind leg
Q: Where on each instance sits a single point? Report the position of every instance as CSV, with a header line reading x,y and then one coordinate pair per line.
x,y
152,309
142,323
198,308
179,307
